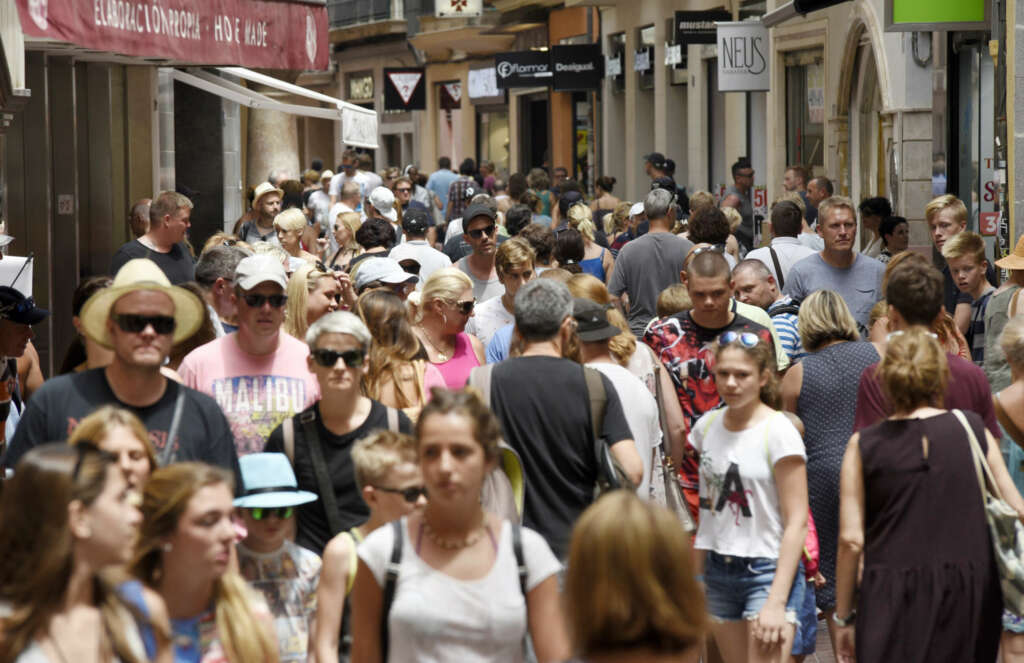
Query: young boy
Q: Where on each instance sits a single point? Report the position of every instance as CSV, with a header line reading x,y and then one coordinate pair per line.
x,y
965,256
390,483
285,573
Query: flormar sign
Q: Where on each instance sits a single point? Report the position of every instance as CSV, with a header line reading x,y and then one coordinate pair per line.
x,y
250,33
742,57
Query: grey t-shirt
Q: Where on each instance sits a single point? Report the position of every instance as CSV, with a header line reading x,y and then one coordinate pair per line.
x,y
646,266
482,290
860,285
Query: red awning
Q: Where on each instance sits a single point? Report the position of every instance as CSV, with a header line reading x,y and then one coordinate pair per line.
x,y
250,33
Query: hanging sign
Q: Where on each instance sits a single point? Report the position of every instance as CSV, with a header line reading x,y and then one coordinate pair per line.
x,y
523,69
673,54
577,67
483,83
404,90
451,95
698,27
642,59
743,57
613,65
456,8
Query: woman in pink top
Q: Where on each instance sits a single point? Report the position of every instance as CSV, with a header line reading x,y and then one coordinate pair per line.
x,y
446,304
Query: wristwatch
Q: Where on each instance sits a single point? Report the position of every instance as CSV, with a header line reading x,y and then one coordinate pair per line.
x,y
850,619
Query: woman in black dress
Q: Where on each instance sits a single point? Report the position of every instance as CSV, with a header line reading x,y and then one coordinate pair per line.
x,y
910,502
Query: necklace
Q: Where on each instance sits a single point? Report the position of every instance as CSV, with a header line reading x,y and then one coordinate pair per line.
x,y
442,356
449,544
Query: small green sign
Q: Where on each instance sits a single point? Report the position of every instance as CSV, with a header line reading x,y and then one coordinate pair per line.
x,y
938,11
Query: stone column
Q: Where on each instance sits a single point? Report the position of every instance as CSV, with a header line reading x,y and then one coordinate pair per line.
x,y
273,144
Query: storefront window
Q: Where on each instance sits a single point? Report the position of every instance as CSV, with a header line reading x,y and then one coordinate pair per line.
x,y
805,110
492,139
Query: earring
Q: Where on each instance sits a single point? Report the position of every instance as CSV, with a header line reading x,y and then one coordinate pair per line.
x,y
444,319
167,547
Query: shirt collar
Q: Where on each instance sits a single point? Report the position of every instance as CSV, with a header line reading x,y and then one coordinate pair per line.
x,y
785,240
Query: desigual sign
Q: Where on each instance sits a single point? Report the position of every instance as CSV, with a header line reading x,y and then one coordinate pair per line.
x,y
743,57
577,67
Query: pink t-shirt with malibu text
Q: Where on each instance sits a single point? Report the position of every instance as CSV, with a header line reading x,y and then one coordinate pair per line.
x,y
255,392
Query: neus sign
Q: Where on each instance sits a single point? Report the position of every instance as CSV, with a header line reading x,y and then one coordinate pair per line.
x,y
742,57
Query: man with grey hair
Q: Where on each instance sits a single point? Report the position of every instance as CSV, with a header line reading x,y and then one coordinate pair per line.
x,y
164,243
215,274
138,217
650,263
541,400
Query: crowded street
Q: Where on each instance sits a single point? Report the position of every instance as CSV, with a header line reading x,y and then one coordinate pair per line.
x,y
511,331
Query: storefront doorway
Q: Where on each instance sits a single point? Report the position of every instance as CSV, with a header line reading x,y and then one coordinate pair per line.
x,y
534,131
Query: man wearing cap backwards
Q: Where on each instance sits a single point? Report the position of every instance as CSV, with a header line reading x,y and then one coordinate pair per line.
x,y
266,203
258,374
381,205
462,190
482,235
383,273
140,316
416,222
654,165
286,573
164,242
17,315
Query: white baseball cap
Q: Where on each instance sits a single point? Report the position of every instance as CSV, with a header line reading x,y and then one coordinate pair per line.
x,y
637,209
327,174
385,270
260,268
384,202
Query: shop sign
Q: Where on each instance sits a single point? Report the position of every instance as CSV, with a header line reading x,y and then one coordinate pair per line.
x,y
251,33
743,57
577,66
358,128
522,69
613,65
698,27
483,86
642,59
673,54
404,89
929,15
360,88
457,8
451,96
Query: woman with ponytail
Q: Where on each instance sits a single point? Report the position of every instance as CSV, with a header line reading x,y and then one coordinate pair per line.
x,y
753,506
912,518
184,552
597,260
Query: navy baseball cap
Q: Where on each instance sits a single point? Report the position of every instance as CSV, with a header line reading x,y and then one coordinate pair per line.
x,y
18,308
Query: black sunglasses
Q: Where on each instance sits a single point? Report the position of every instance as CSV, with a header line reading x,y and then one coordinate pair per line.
x,y
465,307
136,324
403,190
477,233
410,494
257,301
328,358
282,512
321,267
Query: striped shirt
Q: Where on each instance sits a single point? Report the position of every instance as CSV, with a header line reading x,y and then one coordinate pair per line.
x,y
976,330
786,328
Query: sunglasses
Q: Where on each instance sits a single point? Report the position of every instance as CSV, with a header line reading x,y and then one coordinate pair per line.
x,y
282,512
465,307
403,190
410,494
477,233
136,324
746,339
229,242
329,358
257,301
321,267
714,248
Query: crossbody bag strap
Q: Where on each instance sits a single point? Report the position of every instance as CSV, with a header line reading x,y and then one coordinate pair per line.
x,y
517,548
597,398
392,416
778,268
390,584
167,454
323,480
1007,423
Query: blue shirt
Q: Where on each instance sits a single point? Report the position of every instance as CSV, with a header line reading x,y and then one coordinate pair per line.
x,y
498,348
438,184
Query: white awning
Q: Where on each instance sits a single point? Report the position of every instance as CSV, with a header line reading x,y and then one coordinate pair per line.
x,y
358,124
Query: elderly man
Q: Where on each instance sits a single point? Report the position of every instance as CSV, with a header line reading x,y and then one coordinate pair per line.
x,y
138,218
258,374
17,315
215,274
140,317
164,244
753,284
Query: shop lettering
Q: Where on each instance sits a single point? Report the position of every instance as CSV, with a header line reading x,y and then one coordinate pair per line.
x,y
506,69
743,54
141,17
256,33
574,67
224,29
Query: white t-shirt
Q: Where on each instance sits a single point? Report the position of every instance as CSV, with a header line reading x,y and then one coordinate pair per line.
x,y
429,258
641,414
739,501
790,251
642,365
359,178
436,618
488,318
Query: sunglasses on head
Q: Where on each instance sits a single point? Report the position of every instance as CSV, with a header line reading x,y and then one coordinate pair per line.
x,y
465,307
714,248
281,512
746,339
328,358
410,494
136,324
477,233
257,301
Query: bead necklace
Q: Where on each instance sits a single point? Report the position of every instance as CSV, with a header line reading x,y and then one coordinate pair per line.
x,y
448,544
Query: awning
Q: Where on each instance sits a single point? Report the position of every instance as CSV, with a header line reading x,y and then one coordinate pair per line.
x,y
252,33
358,124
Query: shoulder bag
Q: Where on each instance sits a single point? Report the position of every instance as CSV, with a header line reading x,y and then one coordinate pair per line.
x,y
665,489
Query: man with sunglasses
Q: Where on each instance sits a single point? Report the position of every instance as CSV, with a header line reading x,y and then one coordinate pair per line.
x,y
257,374
140,317
481,233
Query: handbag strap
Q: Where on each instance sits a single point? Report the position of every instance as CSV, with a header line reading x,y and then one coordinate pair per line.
x,y
778,268
167,454
1014,301
323,481
980,464
1006,422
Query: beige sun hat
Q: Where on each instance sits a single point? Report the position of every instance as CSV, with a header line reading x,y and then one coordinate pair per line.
x,y
141,274
1013,260
263,189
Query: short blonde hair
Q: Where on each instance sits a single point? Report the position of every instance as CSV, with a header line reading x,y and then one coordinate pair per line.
x,y
582,220
352,221
615,221
914,371
1012,341
732,215
966,244
291,219
948,201
699,199
824,317
835,202
630,582
674,299
512,254
445,284
377,454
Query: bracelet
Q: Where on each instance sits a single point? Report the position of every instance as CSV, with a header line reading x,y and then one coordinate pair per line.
x,y
850,619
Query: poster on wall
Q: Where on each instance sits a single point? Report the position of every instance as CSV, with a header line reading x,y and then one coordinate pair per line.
x,y
743,57
404,89
458,8
815,93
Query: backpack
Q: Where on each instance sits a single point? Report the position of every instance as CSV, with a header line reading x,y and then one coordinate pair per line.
x,y
792,308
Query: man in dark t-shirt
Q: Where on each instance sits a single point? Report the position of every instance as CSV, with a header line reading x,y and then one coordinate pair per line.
x,y
140,316
685,345
164,244
542,403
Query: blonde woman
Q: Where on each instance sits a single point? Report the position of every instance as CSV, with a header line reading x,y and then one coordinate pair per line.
x,y
345,227
289,226
184,552
311,295
121,434
446,305
616,223
597,260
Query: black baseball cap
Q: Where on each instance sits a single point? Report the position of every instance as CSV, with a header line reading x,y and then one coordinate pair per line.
x,y
473,211
592,321
18,308
567,200
666,183
656,159
416,220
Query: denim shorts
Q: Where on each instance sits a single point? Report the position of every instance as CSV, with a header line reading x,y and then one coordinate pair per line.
x,y
807,630
737,587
